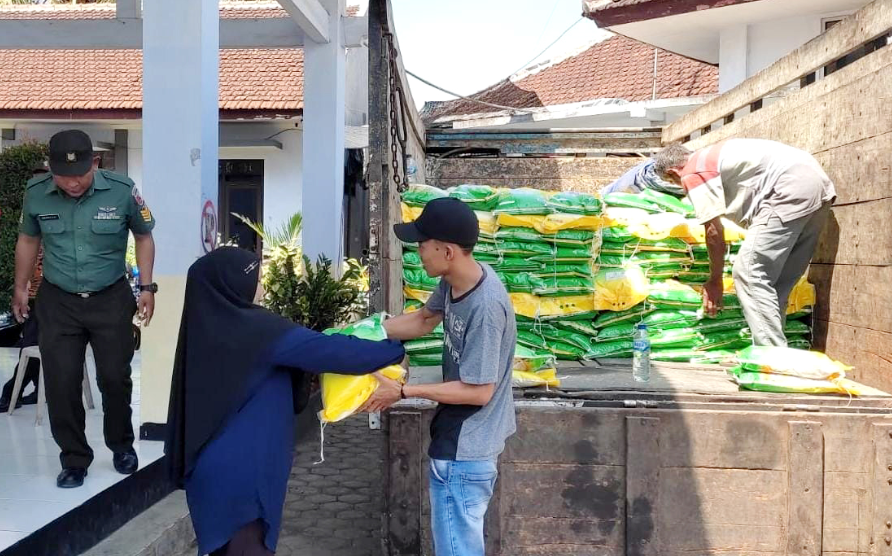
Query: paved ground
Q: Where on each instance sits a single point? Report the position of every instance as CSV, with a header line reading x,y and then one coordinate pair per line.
x,y
336,507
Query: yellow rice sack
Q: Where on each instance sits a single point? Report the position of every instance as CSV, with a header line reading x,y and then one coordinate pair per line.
x,y
802,297
417,295
618,289
527,379
343,395
697,232
410,214
552,223
488,222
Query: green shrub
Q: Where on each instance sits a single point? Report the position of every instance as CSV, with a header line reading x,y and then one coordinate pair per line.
x,y
16,165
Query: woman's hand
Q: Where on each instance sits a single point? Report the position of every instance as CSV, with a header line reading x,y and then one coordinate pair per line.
x,y
388,393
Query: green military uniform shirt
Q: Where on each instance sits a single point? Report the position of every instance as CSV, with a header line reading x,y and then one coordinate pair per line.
x,y
85,239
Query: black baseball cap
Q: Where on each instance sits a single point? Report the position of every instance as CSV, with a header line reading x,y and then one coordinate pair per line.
x,y
446,219
71,153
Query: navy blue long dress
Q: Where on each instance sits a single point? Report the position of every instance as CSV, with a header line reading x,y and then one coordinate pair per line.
x,y
241,475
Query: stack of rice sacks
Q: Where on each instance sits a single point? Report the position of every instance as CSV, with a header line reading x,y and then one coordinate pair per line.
x,y
583,271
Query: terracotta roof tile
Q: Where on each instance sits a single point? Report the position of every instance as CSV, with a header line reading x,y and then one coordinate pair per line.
x,y
259,10
250,79
618,67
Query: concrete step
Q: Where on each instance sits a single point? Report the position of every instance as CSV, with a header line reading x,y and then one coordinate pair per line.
x,y
164,529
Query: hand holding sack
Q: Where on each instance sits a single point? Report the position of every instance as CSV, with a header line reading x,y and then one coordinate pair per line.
x,y
343,395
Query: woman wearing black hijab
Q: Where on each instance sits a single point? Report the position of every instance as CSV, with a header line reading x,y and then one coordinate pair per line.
x,y
231,418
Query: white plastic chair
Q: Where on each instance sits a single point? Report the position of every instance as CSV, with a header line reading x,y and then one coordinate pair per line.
x,y
33,352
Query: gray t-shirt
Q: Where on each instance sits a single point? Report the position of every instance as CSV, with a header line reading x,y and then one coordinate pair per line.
x,y
480,335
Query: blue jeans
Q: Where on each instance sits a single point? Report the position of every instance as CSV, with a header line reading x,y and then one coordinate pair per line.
x,y
460,494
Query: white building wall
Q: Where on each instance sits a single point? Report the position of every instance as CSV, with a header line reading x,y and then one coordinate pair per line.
x,y
282,182
357,92
733,57
745,50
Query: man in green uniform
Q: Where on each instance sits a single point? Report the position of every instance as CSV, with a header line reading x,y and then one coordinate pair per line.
x,y
83,216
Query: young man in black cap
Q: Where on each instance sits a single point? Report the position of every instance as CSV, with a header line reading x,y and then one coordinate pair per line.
x,y
476,407
82,216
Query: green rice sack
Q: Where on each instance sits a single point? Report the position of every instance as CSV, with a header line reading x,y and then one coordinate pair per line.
x,y
542,250
617,234
585,328
574,203
576,269
727,340
565,351
674,337
674,298
555,334
708,326
668,202
619,348
478,197
584,238
622,331
424,345
520,282
550,286
419,280
419,195
610,318
523,200
570,254
531,340
532,360
519,234
630,200
411,259
518,264
666,319
796,327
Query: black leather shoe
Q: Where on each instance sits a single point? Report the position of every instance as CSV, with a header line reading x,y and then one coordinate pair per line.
x,y
72,477
126,463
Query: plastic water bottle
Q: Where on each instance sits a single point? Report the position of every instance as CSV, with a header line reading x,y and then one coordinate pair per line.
x,y
411,169
641,354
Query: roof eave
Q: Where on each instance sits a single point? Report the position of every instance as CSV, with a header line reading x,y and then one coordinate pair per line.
x,y
136,114
563,111
606,16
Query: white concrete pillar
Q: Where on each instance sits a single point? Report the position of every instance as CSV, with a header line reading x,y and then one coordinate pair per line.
x,y
180,144
733,57
323,140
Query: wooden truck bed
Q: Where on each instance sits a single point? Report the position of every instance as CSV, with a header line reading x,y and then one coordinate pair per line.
x,y
683,465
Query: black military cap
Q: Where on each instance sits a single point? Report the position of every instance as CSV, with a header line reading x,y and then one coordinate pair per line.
x,y
71,153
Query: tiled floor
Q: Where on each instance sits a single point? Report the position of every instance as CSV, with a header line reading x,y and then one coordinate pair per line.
x,y
29,463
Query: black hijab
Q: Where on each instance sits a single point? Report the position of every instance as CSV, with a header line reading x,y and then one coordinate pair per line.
x,y
223,335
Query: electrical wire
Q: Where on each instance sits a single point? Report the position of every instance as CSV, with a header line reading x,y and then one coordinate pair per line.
x,y
448,92
544,50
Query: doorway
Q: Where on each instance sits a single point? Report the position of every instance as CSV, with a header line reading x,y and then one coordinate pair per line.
x,y
241,192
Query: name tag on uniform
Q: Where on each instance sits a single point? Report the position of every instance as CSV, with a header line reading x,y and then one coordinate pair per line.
x,y
45,217
107,213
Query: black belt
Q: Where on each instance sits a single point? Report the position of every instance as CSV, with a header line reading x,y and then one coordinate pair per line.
x,y
87,295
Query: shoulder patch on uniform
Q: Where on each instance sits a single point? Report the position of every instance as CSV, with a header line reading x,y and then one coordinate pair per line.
x,y
117,178
43,179
137,197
